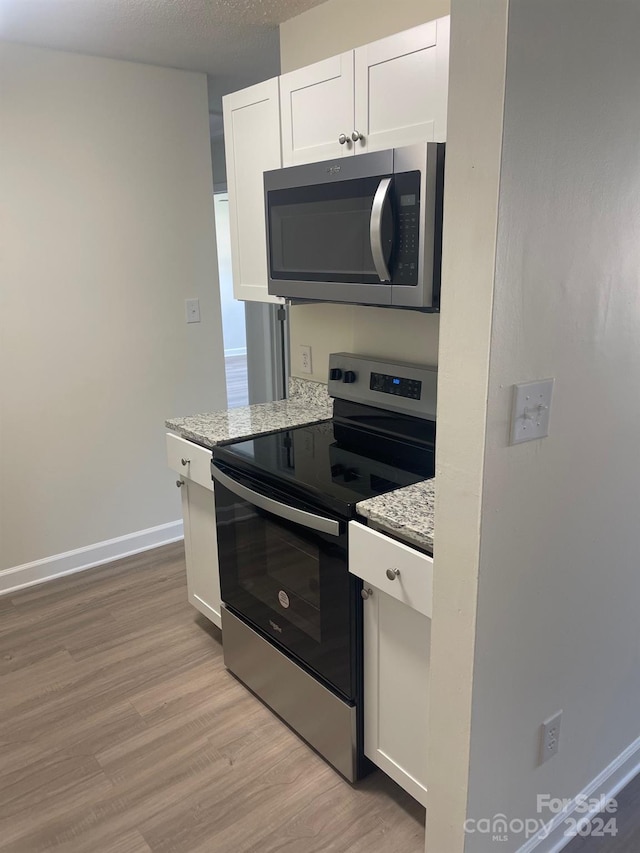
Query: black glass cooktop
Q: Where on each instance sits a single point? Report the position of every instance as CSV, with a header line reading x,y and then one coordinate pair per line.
x,y
336,463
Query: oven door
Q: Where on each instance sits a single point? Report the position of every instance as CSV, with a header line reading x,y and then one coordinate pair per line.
x,y
283,569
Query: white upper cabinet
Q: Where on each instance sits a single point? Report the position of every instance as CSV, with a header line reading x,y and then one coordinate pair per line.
x,y
317,111
386,94
252,146
401,85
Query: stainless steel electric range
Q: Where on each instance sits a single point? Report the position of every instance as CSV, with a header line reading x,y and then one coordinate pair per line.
x,y
292,613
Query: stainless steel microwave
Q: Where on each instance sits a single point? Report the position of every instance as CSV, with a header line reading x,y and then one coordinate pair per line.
x,y
365,229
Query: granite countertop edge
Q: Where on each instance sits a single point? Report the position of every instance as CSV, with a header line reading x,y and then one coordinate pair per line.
x,y
307,404
406,513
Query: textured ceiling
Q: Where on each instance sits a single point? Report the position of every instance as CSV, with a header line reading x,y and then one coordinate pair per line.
x,y
234,41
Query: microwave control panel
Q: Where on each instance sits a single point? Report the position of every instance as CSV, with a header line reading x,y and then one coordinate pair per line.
x,y
404,260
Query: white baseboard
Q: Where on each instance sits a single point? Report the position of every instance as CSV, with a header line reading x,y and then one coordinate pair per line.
x,y
80,559
235,351
605,786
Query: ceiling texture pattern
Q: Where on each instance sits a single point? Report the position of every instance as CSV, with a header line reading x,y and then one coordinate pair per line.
x,y
235,42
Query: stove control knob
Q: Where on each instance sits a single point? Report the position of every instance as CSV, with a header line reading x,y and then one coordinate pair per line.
x,y
349,376
335,373
350,474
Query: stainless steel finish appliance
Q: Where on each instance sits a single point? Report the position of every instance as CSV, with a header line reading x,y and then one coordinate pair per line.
x,y
365,229
292,615
324,720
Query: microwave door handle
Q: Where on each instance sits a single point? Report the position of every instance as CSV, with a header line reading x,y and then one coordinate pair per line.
x,y
375,229
290,513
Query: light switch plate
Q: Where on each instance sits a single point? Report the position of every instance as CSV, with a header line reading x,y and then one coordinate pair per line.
x,y
193,310
531,408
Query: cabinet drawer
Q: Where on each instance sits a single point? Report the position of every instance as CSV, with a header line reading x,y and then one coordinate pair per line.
x,y
197,460
372,553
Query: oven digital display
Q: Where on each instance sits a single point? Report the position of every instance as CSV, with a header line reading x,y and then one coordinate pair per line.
x,y
385,383
408,200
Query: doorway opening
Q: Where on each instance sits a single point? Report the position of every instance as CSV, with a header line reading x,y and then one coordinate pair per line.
x,y
234,329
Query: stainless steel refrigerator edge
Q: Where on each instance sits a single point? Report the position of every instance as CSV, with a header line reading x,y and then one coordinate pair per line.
x,y
427,158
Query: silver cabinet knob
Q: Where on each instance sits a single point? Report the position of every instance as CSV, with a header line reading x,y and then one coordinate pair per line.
x,y
343,138
179,483
392,574
366,593
357,136
185,462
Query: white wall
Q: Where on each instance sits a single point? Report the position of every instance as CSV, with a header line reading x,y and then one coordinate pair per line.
x,y
326,30
557,621
476,97
105,180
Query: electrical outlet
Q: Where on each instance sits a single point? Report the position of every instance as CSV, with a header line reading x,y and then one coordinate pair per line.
x,y
550,736
305,359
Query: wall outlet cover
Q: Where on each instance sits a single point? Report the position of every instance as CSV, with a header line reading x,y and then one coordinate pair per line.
x,y
305,359
550,737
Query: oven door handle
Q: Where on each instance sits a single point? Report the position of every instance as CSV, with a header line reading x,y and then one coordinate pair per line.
x,y
375,229
290,513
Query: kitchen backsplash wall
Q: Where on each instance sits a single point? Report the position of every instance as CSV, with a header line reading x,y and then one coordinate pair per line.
x,y
405,335
383,332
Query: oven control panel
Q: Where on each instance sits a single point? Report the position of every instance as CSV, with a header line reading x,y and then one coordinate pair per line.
x,y
396,386
387,383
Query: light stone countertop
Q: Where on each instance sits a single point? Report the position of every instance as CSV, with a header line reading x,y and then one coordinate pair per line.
x,y
406,513
308,403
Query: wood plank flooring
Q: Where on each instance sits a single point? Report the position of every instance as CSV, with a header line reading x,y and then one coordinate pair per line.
x,y
122,732
627,819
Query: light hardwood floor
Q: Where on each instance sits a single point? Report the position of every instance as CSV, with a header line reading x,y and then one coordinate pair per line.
x,y
122,732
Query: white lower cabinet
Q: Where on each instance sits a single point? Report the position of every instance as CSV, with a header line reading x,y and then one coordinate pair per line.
x,y
396,654
192,463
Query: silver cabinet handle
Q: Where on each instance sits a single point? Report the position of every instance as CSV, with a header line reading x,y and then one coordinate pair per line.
x,y
185,462
366,593
179,483
375,229
343,138
298,516
392,574
357,136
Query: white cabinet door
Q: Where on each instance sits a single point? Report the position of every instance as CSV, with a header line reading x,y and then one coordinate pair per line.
x,y
401,85
201,550
316,105
193,465
396,685
252,146
397,634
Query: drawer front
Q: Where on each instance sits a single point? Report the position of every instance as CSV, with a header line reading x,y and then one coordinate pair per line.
x,y
371,554
197,460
